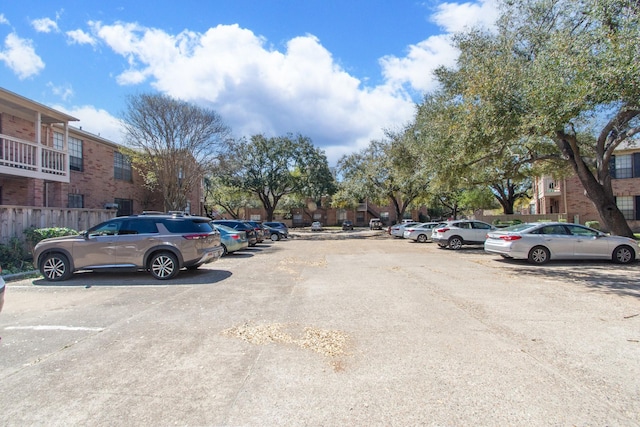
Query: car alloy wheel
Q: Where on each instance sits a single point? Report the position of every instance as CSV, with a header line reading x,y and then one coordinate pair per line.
x,y
55,267
275,237
422,238
623,255
539,255
455,243
164,266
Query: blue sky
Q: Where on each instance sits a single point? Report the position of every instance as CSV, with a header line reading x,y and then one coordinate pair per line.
x,y
338,71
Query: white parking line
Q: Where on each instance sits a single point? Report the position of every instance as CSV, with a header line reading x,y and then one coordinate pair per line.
x,y
54,328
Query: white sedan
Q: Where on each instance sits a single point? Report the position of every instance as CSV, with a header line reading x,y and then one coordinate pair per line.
x,y
420,232
541,242
397,230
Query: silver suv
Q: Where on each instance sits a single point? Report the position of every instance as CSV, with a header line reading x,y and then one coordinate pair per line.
x,y
159,243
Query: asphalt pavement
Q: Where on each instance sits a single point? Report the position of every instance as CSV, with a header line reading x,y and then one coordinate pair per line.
x,y
328,329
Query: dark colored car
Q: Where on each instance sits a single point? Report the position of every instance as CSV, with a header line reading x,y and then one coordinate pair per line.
x,y
241,226
347,225
278,225
259,229
159,243
276,234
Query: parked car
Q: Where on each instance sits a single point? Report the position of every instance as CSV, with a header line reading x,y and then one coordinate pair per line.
x,y
259,229
277,225
240,226
347,225
454,234
420,232
276,234
232,240
397,230
161,244
375,224
316,226
541,242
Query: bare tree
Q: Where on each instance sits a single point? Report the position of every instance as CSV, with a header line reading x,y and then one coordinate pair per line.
x,y
172,143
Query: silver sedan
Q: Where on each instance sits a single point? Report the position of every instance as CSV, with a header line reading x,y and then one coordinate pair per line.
x,y
420,232
397,230
541,242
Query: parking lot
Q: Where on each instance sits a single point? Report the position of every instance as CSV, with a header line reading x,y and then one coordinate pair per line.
x,y
328,328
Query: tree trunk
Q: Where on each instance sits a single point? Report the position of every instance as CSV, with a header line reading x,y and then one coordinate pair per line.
x,y
600,191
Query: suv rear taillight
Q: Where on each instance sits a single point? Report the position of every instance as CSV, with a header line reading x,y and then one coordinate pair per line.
x,y
198,236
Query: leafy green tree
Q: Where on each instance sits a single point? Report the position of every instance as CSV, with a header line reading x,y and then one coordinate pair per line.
x,y
387,171
564,71
229,199
172,144
271,168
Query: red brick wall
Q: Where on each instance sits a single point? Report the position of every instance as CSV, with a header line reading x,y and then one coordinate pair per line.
x,y
17,127
579,204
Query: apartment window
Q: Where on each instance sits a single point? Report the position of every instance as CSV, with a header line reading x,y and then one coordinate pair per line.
x,y
58,140
624,166
125,206
121,167
75,154
76,201
626,206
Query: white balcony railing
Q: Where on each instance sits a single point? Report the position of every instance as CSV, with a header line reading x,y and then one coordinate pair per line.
x,y
29,159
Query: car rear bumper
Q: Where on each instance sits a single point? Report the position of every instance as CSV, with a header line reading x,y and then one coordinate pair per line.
x,y
211,255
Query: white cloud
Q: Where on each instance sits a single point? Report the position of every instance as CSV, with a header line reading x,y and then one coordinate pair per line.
x,y
44,25
63,91
80,37
3,20
257,89
96,121
456,17
20,56
416,68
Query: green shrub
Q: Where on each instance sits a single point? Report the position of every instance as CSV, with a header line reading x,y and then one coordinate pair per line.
x,y
516,222
14,257
593,224
34,235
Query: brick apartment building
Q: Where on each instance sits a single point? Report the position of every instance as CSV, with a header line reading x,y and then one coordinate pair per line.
x,y
567,196
45,162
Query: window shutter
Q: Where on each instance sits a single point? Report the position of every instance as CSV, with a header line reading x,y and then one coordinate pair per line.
x,y
637,207
612,167
636,165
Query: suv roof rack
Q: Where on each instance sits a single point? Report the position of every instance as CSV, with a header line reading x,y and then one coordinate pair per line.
x,y
172,213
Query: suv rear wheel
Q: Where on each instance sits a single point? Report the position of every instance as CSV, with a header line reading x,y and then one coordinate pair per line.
x,y
163,266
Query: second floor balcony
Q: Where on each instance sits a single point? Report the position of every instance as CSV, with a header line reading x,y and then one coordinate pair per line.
x,y
32,160
549,187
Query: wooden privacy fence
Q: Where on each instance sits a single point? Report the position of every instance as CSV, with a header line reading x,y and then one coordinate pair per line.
x,y
15,219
